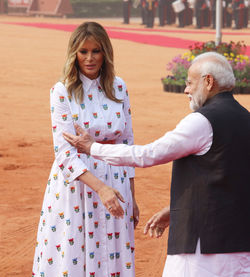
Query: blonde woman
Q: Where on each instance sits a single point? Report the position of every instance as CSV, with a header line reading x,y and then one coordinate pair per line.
x,y
89,211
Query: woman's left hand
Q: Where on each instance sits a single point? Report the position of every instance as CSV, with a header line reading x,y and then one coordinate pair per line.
x,y
136,213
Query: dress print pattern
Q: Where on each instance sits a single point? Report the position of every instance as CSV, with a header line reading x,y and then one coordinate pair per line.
x,y
77,236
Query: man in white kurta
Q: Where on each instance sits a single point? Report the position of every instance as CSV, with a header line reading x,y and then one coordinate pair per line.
x,y
192,136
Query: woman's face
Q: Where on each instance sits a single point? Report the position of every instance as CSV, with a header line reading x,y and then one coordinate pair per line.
x,y
90,58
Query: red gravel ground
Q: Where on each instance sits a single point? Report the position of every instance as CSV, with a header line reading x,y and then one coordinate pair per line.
x,y
31,62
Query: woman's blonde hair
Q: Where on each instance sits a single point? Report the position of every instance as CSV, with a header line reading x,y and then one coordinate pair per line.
x,y
71,79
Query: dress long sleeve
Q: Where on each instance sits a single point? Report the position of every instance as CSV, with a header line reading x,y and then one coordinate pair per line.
x,y
61,116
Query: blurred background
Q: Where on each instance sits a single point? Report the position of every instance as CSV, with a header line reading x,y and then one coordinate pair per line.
x,y
199,13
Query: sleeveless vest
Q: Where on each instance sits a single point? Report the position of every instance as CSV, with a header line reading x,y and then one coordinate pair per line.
x,y
210,194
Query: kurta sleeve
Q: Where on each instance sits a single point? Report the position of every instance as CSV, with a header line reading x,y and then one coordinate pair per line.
x,y
127,136
66,155
192,136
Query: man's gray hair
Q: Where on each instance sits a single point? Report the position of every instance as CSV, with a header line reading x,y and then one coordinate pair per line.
x,y
218,66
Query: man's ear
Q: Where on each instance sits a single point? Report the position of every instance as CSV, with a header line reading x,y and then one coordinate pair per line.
x,y
210,82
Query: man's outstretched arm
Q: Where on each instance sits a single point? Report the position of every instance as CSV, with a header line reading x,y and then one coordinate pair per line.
x,y
192,135
118,154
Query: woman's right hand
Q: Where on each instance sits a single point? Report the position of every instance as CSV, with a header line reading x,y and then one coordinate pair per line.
x,y
110,198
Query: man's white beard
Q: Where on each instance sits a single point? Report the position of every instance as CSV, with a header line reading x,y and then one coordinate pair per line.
x,y
197,99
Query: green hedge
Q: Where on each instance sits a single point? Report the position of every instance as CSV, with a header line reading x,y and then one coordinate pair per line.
x,y
94,1
99,8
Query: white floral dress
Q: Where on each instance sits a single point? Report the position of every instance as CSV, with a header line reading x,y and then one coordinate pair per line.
x,y
77,237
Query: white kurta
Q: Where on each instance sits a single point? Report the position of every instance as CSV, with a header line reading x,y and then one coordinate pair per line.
x,y
77,237
193,135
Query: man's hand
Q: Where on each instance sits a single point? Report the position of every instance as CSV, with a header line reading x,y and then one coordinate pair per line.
x,y
158,223
82,141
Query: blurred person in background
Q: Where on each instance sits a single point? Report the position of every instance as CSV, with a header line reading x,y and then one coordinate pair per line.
x,y
238,13
182,15
170,14
212,4
126,11
246,13
86,226
185,17
162,9
143,12
228,11
183,12
151,6
202,13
